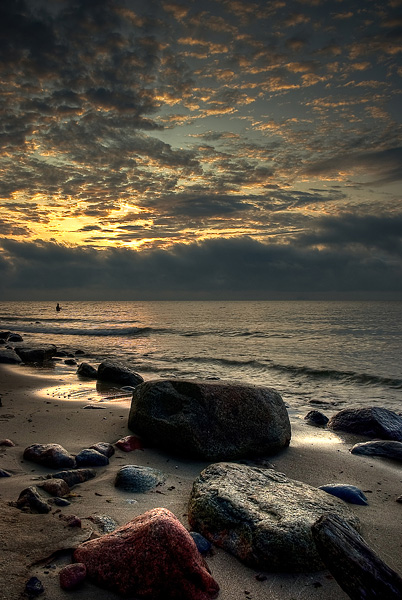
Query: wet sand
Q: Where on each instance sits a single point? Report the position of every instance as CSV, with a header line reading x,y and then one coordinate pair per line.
x,y
35,409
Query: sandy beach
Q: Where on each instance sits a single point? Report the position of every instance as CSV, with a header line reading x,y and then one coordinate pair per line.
x,y
35,544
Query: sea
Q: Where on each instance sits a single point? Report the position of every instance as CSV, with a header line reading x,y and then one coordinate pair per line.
x,y
317,354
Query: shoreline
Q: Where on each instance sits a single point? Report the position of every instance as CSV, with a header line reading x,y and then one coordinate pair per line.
x,y
30,414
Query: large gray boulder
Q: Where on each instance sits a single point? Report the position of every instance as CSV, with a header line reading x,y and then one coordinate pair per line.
x,y
261,517
375,422
116,372
212,420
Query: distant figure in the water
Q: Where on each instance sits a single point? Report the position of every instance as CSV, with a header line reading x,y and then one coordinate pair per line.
x,y
58,307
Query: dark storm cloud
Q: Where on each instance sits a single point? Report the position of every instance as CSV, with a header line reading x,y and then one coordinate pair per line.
x,y
217,267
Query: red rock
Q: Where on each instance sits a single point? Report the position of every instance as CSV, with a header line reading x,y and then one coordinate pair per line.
x,y
55,487
72,576
152,556
130,443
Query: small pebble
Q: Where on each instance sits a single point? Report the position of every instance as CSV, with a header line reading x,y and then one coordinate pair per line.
x,y
34,587
72,576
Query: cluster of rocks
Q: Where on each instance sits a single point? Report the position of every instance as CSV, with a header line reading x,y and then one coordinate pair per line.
x,y
373,422
257,514
13,350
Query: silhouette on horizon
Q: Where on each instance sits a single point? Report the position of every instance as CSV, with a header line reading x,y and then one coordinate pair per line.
x,y
58,307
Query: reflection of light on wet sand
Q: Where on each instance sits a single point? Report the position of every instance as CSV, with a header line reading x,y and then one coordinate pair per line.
x,y
96,393
319,437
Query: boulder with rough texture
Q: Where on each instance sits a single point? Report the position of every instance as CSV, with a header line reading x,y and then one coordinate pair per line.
x,y
49,455
260,516
388,449
210,419
152,557
116,372
138,479
87,370
374,422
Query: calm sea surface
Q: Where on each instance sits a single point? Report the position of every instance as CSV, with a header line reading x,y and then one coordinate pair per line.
x,y
337,353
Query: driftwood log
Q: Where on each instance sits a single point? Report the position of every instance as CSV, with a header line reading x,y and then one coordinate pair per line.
x,y
356,568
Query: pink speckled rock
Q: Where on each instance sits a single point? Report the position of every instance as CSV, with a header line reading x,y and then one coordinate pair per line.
x,y
152,556
130,443
72,576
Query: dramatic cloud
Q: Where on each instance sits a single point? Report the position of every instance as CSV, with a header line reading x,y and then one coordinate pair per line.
x,y
147,140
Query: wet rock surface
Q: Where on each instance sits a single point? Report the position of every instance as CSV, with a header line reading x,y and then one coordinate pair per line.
x,y
388,449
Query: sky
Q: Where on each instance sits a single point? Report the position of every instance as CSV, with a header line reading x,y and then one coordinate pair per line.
x,y
221,149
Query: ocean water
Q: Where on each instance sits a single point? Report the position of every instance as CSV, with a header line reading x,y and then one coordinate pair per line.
x,y
325,355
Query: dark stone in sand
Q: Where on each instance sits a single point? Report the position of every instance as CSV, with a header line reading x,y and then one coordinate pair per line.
x,y
60,501
87,370
91,458
105,523
75,477
32,498
55,487
35,354
9,356
70,361
14,337
388,449
373,421
4,335
104,448
261,516
72,576
49,455
210,419
316,418
7,442
203,545
152,557
138,479
4,473
116,372
34,587
346,492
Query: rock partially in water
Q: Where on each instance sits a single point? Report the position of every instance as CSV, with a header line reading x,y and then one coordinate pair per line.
x,y
36,354
9,356
388,449
118,373
261,516
374,422
87,370
49,455
348,493
138,479
210,419
151,557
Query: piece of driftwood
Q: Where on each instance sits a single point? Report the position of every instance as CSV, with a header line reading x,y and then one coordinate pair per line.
x,y
356,568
